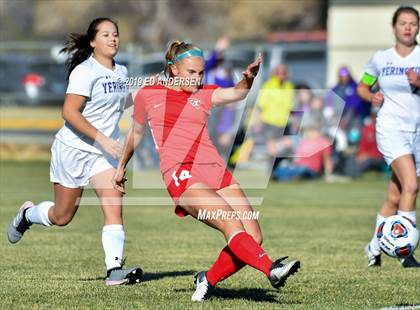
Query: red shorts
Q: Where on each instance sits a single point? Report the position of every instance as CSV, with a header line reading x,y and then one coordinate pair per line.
x,y
182,176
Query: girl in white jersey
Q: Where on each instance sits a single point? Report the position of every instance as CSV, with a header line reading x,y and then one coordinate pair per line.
x,y
397,71
86,148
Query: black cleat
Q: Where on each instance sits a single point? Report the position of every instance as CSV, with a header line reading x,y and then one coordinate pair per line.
x,y
410,262
120,276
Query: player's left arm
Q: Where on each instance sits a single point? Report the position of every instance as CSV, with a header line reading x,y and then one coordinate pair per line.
x,y
134,137
240,90
129,102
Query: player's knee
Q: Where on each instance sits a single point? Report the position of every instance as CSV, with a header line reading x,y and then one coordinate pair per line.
x,y
228,226
394,200
61,220
411,188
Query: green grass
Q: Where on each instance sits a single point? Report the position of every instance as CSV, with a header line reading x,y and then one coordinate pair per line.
x,y
324,225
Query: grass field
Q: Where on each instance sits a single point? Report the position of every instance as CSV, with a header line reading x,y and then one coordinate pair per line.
x,y
324,225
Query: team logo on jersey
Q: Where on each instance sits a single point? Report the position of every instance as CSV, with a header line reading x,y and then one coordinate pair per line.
x,y
195,102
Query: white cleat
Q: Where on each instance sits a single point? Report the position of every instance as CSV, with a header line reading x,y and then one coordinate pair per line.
x,y
19,224
280,271
374,260
204,288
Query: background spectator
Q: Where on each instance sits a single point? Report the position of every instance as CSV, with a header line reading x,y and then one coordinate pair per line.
x,y
274,104
368,156
312,158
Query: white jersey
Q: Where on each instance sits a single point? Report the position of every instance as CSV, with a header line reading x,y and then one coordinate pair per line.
x,y
401,107
106,95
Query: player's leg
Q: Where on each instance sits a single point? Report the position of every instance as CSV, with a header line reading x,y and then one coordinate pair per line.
x,y
389,208
66,203
227,263
236,198
197,200
405,169
47,213
200,199
68,172
113,235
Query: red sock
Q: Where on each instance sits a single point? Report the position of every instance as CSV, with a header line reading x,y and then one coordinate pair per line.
x,y
225,266
245,248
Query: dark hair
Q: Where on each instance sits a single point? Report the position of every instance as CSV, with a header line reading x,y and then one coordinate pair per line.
x,y
175,48
404,9
78,45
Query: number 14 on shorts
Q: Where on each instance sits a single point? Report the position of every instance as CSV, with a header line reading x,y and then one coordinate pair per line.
x,y
183,175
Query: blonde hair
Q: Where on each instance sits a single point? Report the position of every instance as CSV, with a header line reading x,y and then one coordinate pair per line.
x,y
175,48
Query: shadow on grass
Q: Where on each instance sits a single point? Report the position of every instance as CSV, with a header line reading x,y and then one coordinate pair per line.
x,y
168,274
150,276
252,294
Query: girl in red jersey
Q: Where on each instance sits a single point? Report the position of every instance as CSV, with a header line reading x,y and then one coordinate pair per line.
x,y
193,171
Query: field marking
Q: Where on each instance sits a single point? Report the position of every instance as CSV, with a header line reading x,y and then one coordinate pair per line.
x,y
408,307
156,201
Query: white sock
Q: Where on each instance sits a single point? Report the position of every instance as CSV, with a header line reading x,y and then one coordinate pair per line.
x,y
113,237
411,215
374,243
39,213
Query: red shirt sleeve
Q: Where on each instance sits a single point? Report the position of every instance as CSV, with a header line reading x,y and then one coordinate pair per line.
x,y
210,86
207,91
140,114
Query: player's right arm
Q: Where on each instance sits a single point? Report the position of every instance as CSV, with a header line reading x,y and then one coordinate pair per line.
x,y
134,137
369,79
71,113
364,91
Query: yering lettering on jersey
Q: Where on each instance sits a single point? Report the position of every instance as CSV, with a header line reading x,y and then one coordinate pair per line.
x,y
392,70
114,87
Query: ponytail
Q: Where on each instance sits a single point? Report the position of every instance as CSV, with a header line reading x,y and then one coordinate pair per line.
x,y
79,47
175,48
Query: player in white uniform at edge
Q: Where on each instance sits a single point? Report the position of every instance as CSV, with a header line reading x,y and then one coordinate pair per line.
x,y
397,72
86,148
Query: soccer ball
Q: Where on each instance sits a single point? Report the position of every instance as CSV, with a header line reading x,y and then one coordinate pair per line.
x,y
398,236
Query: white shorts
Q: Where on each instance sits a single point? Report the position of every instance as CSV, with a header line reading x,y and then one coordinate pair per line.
x,y
394,143
73,168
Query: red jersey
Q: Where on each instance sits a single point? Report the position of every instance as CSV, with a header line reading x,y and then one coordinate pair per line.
x,y
368,144
178,122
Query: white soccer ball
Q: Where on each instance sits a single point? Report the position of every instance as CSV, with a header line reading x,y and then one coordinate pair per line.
x,y
398,236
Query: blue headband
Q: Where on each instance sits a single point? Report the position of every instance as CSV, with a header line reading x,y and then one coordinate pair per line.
x,y
195,52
